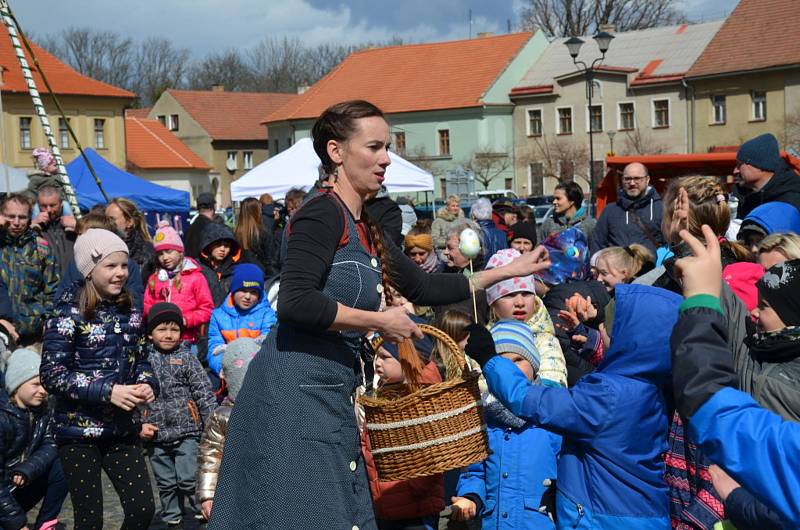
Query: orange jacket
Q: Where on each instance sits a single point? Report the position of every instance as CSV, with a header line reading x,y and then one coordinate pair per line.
x,y
405,499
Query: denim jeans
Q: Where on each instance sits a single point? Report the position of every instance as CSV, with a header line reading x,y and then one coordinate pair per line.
x,y
50,488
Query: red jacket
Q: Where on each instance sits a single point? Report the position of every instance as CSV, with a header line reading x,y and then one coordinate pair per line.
x,y
405,499
193,297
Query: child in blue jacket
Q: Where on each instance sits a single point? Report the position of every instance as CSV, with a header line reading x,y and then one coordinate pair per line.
x,y
244,313
613,421
506,489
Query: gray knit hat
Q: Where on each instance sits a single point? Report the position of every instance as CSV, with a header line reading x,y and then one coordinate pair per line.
x,y
235,360
23,365
93,246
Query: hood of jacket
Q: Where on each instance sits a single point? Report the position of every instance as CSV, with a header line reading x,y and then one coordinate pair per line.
x,y
446,215
650,196
217,232
563,220
638,349
775,217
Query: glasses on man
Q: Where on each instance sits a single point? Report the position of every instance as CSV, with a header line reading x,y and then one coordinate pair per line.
x,y
633,179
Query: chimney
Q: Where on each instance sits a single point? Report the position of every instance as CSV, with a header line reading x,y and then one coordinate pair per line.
x,y
302,89
608,28
218,88
482,34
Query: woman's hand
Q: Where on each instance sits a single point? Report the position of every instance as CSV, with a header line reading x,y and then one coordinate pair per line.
x,y
396,326
126,397
462,509
680,214
531,263
702,272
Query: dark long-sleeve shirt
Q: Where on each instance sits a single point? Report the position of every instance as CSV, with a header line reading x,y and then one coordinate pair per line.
x,y
316,230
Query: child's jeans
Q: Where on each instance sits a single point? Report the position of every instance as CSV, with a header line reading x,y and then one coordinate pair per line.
x,y
175,467
50,488
66,209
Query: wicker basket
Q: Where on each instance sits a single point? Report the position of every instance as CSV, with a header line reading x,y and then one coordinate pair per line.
x,y
435,429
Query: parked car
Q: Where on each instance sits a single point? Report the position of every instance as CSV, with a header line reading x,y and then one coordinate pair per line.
x,y
493,195
542,212
540,200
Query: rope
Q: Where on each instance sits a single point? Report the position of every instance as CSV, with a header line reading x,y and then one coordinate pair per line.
x,y
423,419
428,443
15,33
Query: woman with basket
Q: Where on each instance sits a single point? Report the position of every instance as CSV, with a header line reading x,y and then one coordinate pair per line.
x,y
292,456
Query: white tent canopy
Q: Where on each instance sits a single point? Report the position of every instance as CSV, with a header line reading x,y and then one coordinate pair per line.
x,y
17,179
298,167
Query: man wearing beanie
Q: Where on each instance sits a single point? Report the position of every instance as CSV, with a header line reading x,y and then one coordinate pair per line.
x,y
762,175
28,268
31,471
244,313
235,361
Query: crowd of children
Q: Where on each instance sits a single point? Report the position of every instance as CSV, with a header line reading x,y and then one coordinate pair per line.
x,y
594,409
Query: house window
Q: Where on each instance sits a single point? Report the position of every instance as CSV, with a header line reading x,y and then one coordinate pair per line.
x,y
564,120
534,122
276,148
100,133
232,164
535,178
247,159
759,105
660,113
289,141
174,124
509,183
718,109
626,117
63,134
444,142
162,119
443,186
400,142
25,133
597,90
596,118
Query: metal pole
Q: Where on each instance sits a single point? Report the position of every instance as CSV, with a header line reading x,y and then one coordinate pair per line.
x,y
3,138
591,135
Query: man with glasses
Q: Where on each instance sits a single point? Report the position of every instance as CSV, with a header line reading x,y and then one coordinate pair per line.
x,y
634,218
762,176
29,270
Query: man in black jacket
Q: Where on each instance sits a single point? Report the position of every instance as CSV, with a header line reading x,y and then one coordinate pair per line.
x,y
194,234
634,218
762,175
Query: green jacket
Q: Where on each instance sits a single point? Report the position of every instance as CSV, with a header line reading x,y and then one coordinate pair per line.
x,y
28,268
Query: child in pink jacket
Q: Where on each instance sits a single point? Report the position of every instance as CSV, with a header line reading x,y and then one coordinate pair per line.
x,y
179,280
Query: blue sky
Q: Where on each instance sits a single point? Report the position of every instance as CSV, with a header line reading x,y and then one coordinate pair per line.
x,y
210,25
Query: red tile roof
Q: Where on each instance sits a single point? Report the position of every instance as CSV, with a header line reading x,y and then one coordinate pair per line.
x,y
149,145
231,115
138,113
411,78
63,79
530,90
758,34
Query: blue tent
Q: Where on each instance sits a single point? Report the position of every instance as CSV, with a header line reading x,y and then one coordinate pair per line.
x,y
148,197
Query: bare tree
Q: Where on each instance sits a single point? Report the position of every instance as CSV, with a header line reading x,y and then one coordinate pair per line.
x,y
159,66
639,143
564,18
420,157
279,65
791,136
226,68
102,55
487,165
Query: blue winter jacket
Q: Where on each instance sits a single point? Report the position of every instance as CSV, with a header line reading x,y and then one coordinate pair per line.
x,y
614,420
775,217
509,482
229,323
82,360
493,239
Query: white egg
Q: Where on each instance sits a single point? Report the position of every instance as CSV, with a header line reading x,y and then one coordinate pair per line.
x,y
469,244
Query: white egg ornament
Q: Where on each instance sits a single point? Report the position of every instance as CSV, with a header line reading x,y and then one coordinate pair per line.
x,y
469,244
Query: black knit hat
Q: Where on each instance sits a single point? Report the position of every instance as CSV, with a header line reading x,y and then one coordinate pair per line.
x,y
780,288
163,312
525,230
762,152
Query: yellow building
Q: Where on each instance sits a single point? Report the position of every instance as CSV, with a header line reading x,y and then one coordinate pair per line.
x,y
747,81
95,110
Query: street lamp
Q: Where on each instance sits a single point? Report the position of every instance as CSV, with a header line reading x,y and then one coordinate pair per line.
x,y
611,141
573,44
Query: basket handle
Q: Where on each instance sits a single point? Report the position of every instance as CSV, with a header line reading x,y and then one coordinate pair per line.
x,y
452,346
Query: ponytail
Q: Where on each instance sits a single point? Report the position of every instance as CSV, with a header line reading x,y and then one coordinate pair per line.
x,y
377,241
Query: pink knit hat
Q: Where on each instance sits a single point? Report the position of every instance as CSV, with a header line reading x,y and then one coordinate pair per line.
x,y
167,238
44,158
512,285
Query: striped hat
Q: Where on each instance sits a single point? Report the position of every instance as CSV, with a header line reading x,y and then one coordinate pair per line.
x,y
514,336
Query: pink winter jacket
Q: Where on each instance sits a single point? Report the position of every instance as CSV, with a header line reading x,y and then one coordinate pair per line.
x,y
193,297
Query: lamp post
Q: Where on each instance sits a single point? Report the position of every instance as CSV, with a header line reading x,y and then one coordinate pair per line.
x,y
611,141
574,44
